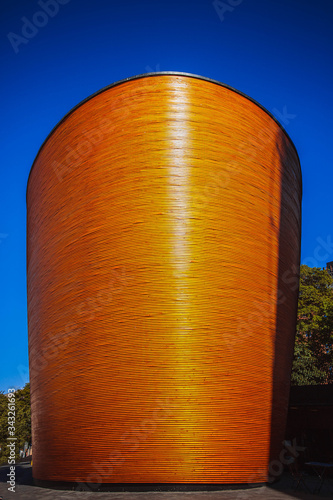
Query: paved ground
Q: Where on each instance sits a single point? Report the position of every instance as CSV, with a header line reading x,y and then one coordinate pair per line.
x,y
283,490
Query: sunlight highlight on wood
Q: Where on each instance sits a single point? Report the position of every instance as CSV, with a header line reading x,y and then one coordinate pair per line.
x,y
163,250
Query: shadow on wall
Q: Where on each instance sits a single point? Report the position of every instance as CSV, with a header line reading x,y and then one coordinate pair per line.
x,y
288,284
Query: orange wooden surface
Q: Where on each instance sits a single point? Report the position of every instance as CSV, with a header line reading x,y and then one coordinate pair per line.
x,y
163,219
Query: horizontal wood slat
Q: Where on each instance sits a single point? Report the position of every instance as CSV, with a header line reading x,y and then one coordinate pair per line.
x,y
163,220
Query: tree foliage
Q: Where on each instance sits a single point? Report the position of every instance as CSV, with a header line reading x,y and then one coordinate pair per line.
x,y
22,421
313,354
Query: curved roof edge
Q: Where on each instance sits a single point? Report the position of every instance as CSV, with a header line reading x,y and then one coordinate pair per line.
x,y
160,73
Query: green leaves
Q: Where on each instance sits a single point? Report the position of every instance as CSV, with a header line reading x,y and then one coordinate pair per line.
x,y
313,354
22,421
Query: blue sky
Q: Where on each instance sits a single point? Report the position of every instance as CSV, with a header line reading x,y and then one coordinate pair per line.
x,y
278,52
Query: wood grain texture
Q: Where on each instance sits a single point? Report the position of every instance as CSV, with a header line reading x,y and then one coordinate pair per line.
x,y
163,227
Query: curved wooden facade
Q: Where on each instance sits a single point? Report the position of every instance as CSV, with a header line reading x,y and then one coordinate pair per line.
x,y
163,253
